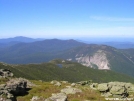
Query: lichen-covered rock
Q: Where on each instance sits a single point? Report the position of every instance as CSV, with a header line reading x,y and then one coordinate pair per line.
x,y
5,73
122,84
56,83
73,84
71,90
17,85
94,86
103,87
57,97
120,89
85,82
35,98
117,90
53,82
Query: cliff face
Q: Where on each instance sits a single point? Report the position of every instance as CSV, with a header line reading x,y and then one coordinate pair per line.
x,y
98,60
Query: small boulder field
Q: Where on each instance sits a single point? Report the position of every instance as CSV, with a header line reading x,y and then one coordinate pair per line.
x,y
21,89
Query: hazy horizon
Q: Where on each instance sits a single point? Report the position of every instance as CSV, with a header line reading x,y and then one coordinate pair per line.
x,y
94,40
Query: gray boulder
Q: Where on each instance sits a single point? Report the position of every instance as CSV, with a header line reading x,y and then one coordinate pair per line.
x,y
17,86
84,82
117,90
73,84
57,97
35,98
56,83
71,90
103,87
5,73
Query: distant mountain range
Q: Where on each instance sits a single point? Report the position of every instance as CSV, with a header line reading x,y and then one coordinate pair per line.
x,y
91,55
19,39
120,43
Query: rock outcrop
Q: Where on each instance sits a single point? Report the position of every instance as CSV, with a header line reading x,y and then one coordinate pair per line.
x,y
115,89
84,82
5,73
57,97
56,83
98,60
71,90
12,88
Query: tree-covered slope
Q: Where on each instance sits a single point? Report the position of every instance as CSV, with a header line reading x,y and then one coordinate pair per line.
x,y
117,60
64,70
36,52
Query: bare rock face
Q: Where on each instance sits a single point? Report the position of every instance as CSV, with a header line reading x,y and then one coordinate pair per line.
x,y
99,60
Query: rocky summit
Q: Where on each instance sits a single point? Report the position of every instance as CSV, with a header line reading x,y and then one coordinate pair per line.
x,y
116,89
20,89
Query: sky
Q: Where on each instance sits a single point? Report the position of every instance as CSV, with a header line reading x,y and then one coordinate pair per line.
x,y
66,18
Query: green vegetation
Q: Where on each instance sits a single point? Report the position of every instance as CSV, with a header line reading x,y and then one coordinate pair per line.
x,y
70,71
45,90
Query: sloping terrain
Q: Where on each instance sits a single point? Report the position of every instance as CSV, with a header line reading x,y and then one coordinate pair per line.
x,y
36,52
102,57
92,55
64,70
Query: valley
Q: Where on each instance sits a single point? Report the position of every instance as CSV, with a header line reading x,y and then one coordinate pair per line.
x,y
95,56
66,70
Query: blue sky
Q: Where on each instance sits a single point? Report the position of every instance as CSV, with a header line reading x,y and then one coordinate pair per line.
x,y
66,18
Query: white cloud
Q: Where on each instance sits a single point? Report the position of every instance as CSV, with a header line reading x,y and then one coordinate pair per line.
x,y
103,18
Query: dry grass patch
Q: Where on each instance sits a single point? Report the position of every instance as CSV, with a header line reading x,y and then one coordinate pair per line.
x,y
86,94
42,89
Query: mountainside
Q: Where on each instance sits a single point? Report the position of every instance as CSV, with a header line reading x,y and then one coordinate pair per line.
x,y
102,57
36,52
64,70
91,55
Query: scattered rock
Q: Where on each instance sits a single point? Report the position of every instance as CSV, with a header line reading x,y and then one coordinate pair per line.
x,y
85,82
11,88
57,97
71,90
115,89
94,86
103,87
73,84
35,98
5,73
17,86
56,83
